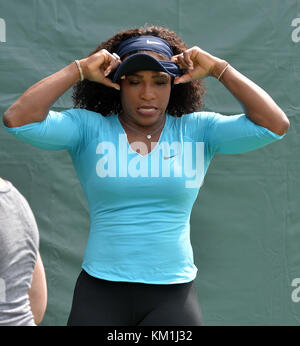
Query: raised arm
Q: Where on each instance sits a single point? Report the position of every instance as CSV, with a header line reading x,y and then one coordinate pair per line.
x,y
259,106
34,104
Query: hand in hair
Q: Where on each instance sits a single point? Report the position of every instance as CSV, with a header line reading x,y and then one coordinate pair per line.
x,y
98,66
197,63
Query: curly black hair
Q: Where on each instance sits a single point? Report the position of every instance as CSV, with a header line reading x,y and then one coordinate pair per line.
x,y
185,98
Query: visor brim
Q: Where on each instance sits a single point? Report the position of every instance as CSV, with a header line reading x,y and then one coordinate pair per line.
x,y
143,62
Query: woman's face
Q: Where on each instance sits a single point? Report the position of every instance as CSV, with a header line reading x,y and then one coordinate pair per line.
x,y
145,96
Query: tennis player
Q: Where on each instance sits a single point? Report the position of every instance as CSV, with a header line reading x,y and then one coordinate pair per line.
x,y
141,147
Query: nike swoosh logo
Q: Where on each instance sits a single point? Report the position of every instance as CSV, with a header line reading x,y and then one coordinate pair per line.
x,y
168,157
153,42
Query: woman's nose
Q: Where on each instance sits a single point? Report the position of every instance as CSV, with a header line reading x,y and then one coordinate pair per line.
x,y
147,92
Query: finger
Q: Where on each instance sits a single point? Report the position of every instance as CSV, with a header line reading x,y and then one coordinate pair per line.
x,y
181,62
188,60
183,79
114,62
98,62
111,68
174,58
116,56
108,82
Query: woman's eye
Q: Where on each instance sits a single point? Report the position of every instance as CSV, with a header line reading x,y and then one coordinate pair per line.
x,y
161,82
133,82
137,82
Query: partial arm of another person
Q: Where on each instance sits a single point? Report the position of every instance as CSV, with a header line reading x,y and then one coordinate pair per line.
x,y
34,104
259,106
38,291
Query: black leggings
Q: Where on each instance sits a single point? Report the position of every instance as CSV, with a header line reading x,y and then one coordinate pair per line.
x,y
110,303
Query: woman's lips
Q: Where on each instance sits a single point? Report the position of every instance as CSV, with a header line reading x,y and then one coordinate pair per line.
x,y
147,111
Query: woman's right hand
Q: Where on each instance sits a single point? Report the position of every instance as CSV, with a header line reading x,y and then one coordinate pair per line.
x,y
98,66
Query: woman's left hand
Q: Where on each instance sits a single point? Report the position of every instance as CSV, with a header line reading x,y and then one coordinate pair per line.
x,y
198,63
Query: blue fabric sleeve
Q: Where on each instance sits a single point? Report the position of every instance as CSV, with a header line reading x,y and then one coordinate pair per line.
x,y
224,134
228,134
59,130
237,134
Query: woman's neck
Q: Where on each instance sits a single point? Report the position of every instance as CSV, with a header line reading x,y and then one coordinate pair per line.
x,y
131,124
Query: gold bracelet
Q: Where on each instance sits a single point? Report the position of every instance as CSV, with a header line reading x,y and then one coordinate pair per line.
x,y
225,68
80,70
219,69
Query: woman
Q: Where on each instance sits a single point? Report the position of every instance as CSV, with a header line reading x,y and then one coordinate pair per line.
x,y
135,138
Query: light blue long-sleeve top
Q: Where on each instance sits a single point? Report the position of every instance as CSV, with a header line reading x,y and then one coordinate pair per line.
x,y
140,206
